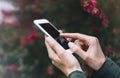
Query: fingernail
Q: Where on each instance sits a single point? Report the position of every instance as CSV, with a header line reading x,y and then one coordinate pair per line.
x,y
71,44
48,39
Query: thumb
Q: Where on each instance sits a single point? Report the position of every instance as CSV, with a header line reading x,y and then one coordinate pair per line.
x,y
77,50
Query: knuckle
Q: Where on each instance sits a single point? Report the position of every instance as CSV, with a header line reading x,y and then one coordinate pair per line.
x,y
86,58
61,54
94,39
77,35
50,56
75,49
53,44
53,62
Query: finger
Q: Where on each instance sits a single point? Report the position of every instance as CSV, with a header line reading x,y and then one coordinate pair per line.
x,y
79,43
76,36
55,45
60,31
77,50
69,39
51,53
57,64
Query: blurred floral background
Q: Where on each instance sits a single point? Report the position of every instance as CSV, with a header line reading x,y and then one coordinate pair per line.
x,y
22,50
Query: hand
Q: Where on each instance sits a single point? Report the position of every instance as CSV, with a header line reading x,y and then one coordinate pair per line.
x,y
93,55
62,59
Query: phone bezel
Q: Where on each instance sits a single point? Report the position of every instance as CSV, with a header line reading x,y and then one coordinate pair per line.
x,y
43,21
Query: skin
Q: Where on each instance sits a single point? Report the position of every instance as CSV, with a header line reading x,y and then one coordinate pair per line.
x,y
62,59
66,62
92,55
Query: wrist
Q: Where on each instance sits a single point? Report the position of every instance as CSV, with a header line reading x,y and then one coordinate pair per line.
x,y
77,74
100,63
72,70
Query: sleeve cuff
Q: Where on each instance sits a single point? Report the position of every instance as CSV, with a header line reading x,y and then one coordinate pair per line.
x,y
77,74
108,70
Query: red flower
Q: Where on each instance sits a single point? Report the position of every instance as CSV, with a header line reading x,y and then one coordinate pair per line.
x,y
35,8
12,68
85,3
109,50
31,37
95,11
23,41
105,21
102,15
93,2
94,28
50,70
88,8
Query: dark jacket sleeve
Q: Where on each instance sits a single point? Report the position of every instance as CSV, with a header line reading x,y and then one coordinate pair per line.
x,y
108,70
77,74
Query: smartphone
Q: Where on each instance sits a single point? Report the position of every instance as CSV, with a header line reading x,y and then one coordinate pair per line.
x,y
51,31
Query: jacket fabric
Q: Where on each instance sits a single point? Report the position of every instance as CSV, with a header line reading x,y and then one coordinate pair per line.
x,y
108,70
77,74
